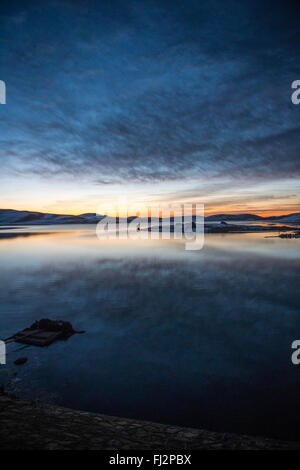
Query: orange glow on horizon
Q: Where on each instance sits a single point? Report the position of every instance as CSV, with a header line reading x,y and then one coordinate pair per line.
x,y
262,212
267,212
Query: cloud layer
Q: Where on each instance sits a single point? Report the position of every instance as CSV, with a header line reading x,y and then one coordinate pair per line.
x,y
150,91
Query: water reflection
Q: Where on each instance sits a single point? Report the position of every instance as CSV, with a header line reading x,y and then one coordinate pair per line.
x,y
194,338
7,236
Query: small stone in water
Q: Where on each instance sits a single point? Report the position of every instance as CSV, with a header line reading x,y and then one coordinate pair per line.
x,y
20,361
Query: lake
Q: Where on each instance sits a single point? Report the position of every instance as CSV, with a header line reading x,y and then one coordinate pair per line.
x,y
195,338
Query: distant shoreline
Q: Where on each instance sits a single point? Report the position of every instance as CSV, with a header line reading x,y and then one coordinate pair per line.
x,y
14,217
211,228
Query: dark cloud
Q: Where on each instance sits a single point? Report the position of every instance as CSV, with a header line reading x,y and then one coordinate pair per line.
x,y
150,91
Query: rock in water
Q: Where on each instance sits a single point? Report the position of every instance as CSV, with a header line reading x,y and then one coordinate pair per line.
x,y
20,361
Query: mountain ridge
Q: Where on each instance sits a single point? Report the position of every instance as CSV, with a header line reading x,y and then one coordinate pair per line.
x,y
11,216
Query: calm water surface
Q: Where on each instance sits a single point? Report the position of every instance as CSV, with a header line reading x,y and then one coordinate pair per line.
x,y
197,338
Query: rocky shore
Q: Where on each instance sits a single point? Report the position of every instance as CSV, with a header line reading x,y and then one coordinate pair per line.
x,y
36,426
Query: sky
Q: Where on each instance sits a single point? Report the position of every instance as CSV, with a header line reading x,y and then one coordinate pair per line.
x,y
157,101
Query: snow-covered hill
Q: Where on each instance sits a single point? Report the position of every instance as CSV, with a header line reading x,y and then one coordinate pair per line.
x,y
218,217
290,219
8,216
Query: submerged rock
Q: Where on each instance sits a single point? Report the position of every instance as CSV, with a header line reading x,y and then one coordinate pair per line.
x,y
64,327
44,332
20,361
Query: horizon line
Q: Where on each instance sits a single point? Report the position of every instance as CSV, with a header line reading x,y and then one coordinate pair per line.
x,y
272,214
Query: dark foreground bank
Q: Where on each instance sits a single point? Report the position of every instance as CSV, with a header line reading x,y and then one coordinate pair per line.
x,y
26,425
